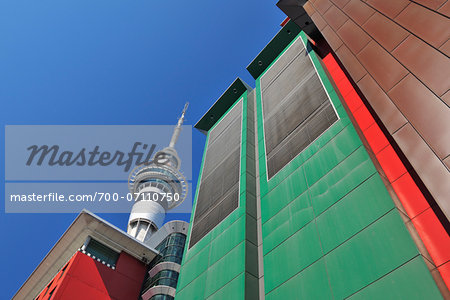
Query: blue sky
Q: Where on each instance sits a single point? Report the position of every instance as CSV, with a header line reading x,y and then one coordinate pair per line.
x,y
114,62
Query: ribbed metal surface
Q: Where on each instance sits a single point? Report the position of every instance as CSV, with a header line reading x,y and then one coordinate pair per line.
x,y
219,186
295,105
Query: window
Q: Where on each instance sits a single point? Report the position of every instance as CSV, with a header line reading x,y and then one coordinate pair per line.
x,y
161,297
102,252
170,249
164,277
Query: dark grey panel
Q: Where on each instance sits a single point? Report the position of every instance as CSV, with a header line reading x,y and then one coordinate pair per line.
x,y
219,186
296,108
291,111
220,149
295,50
223,124
287,79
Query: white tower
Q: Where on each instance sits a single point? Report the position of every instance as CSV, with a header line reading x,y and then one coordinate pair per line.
x,y
156,187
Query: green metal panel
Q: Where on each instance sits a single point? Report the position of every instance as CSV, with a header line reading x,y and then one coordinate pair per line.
x,y
196,266
312,283
195,290
292,186
330,155
350,173
232,290
410,281
377,250
229,239
224,270
230,245
285,223
330,228
290,257
358,209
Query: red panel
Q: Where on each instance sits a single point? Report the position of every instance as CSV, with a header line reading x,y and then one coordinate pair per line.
x,y
57,281
330,62
339,75
85,270
345,87
375,138
77,289
120,286
434,236
391,164
363,118
285,22
409,194
444,270
131,267
334,69
353,100
85,278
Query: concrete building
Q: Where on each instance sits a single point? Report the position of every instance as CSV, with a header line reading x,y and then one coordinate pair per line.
x,y
329,179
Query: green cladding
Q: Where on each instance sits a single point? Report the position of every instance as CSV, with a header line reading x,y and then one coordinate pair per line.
x,y
223,264
329,228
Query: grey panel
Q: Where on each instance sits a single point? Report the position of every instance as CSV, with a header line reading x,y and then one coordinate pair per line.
x,y
219,186
284,82
305,98
224,123
295,50
296,108
222,146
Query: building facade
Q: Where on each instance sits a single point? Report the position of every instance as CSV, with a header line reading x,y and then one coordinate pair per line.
x,y
163,271
310,190
92,260
328,180
109,264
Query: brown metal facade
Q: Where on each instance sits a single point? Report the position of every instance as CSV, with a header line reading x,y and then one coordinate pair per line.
x,y
397,54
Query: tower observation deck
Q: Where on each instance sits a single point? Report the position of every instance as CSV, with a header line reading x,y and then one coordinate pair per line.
x,y
157,187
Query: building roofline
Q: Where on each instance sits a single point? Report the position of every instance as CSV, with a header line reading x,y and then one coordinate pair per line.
x,y
220,107
271,51
85,224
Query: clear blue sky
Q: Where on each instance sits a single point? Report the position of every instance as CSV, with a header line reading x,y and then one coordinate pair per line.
x,y
114,62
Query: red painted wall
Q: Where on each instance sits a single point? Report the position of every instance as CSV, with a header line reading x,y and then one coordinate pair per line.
x,y
84,278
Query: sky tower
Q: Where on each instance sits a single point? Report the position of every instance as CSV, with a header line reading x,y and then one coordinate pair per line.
x,y
157,187
96,260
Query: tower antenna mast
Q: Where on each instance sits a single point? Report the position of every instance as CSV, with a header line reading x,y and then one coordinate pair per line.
x,y
177,130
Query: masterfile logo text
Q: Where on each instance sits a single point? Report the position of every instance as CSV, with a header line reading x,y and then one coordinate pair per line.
x,y
53,156
65,168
